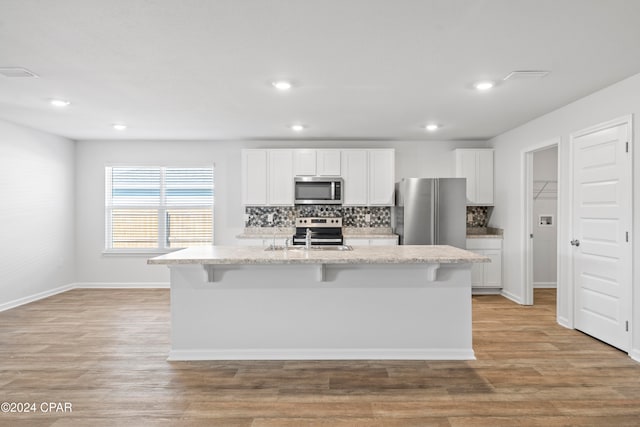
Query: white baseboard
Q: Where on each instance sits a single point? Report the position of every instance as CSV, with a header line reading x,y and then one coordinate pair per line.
x,y
486,291
83,285
121,285
544,285
508,295
31,298
564,322
635,355
322,354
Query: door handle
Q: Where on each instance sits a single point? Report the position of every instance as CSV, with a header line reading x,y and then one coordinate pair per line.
x,y
575,242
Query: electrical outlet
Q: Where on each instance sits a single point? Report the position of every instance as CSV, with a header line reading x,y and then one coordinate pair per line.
x,y
367,218
270,218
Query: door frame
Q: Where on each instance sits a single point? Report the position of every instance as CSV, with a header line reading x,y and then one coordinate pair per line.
x,y
527,218
568,224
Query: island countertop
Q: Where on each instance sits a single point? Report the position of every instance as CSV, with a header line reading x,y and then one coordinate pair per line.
x,y
414,254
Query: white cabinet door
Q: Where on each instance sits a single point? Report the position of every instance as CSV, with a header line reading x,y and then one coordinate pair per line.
x,y
466,168
304,162
493,270
280,177
356,241
354,174
381,177
250,242
486,275
328,162
362,241
484,177
477,273
477,167
392,241
254,177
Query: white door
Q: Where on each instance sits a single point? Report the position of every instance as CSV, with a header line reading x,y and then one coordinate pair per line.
x,y
601,232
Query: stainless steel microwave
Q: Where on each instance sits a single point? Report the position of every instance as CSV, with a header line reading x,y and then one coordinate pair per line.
x,y
317,190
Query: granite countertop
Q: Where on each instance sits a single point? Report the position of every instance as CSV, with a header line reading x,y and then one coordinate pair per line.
x,y
484,233
283,232
359,255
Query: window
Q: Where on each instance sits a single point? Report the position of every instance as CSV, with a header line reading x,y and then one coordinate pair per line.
x,y
158,208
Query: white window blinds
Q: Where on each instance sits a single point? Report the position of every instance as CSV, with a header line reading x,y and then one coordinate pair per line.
x,y
158,207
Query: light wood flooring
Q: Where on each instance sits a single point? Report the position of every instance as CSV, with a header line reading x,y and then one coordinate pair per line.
x,y
104,351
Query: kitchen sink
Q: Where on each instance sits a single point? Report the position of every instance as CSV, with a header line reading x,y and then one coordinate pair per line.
x,y
312,248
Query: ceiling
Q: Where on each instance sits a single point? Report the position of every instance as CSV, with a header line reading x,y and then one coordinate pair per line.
x,y
362,69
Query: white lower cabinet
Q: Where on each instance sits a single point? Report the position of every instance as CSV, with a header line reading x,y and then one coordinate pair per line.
x,y
363,241
486,275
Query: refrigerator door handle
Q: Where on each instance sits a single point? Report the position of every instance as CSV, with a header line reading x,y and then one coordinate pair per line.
x,y
434,213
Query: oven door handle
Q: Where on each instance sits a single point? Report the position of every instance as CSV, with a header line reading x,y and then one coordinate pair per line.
x,y
313,239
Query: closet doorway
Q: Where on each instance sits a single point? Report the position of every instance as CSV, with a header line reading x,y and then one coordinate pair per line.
x,y
541,208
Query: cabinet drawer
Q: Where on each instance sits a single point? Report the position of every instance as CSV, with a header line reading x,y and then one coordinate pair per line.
x,y
484,244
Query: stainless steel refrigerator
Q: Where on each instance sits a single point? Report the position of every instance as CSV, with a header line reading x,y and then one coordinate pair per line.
x,y
431,211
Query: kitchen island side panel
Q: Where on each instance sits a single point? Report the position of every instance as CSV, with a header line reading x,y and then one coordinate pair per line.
x,y
357,311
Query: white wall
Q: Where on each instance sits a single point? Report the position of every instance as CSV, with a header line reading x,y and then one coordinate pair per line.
x,y
36,213
545,248
413,158
615,101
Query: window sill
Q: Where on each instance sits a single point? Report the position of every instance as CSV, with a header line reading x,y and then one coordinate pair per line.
x,y
136,252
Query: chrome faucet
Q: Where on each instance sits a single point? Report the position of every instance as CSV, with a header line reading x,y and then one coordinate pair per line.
x,y
307,240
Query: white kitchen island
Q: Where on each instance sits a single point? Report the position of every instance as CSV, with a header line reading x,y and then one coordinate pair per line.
x,y
392,302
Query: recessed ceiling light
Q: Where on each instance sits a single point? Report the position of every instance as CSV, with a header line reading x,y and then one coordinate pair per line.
x,y
298,127
282,85
59,102
432,127
484,85
119,126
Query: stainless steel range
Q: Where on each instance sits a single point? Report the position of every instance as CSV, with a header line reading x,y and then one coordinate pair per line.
x,y
318,231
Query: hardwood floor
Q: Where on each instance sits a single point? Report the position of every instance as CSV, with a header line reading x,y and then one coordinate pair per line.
x,y
104,352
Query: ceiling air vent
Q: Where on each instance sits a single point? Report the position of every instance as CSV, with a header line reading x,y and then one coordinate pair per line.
x,y
528,74
16,72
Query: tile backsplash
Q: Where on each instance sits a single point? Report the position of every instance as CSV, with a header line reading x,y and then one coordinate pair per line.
x,y
353,216
284,216
478,216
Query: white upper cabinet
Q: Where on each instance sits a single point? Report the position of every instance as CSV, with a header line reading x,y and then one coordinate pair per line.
x,y
381,177
484,188
355,176
267,177
254,177
477,166
304,162
368,174
309,162
280,177
328,162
